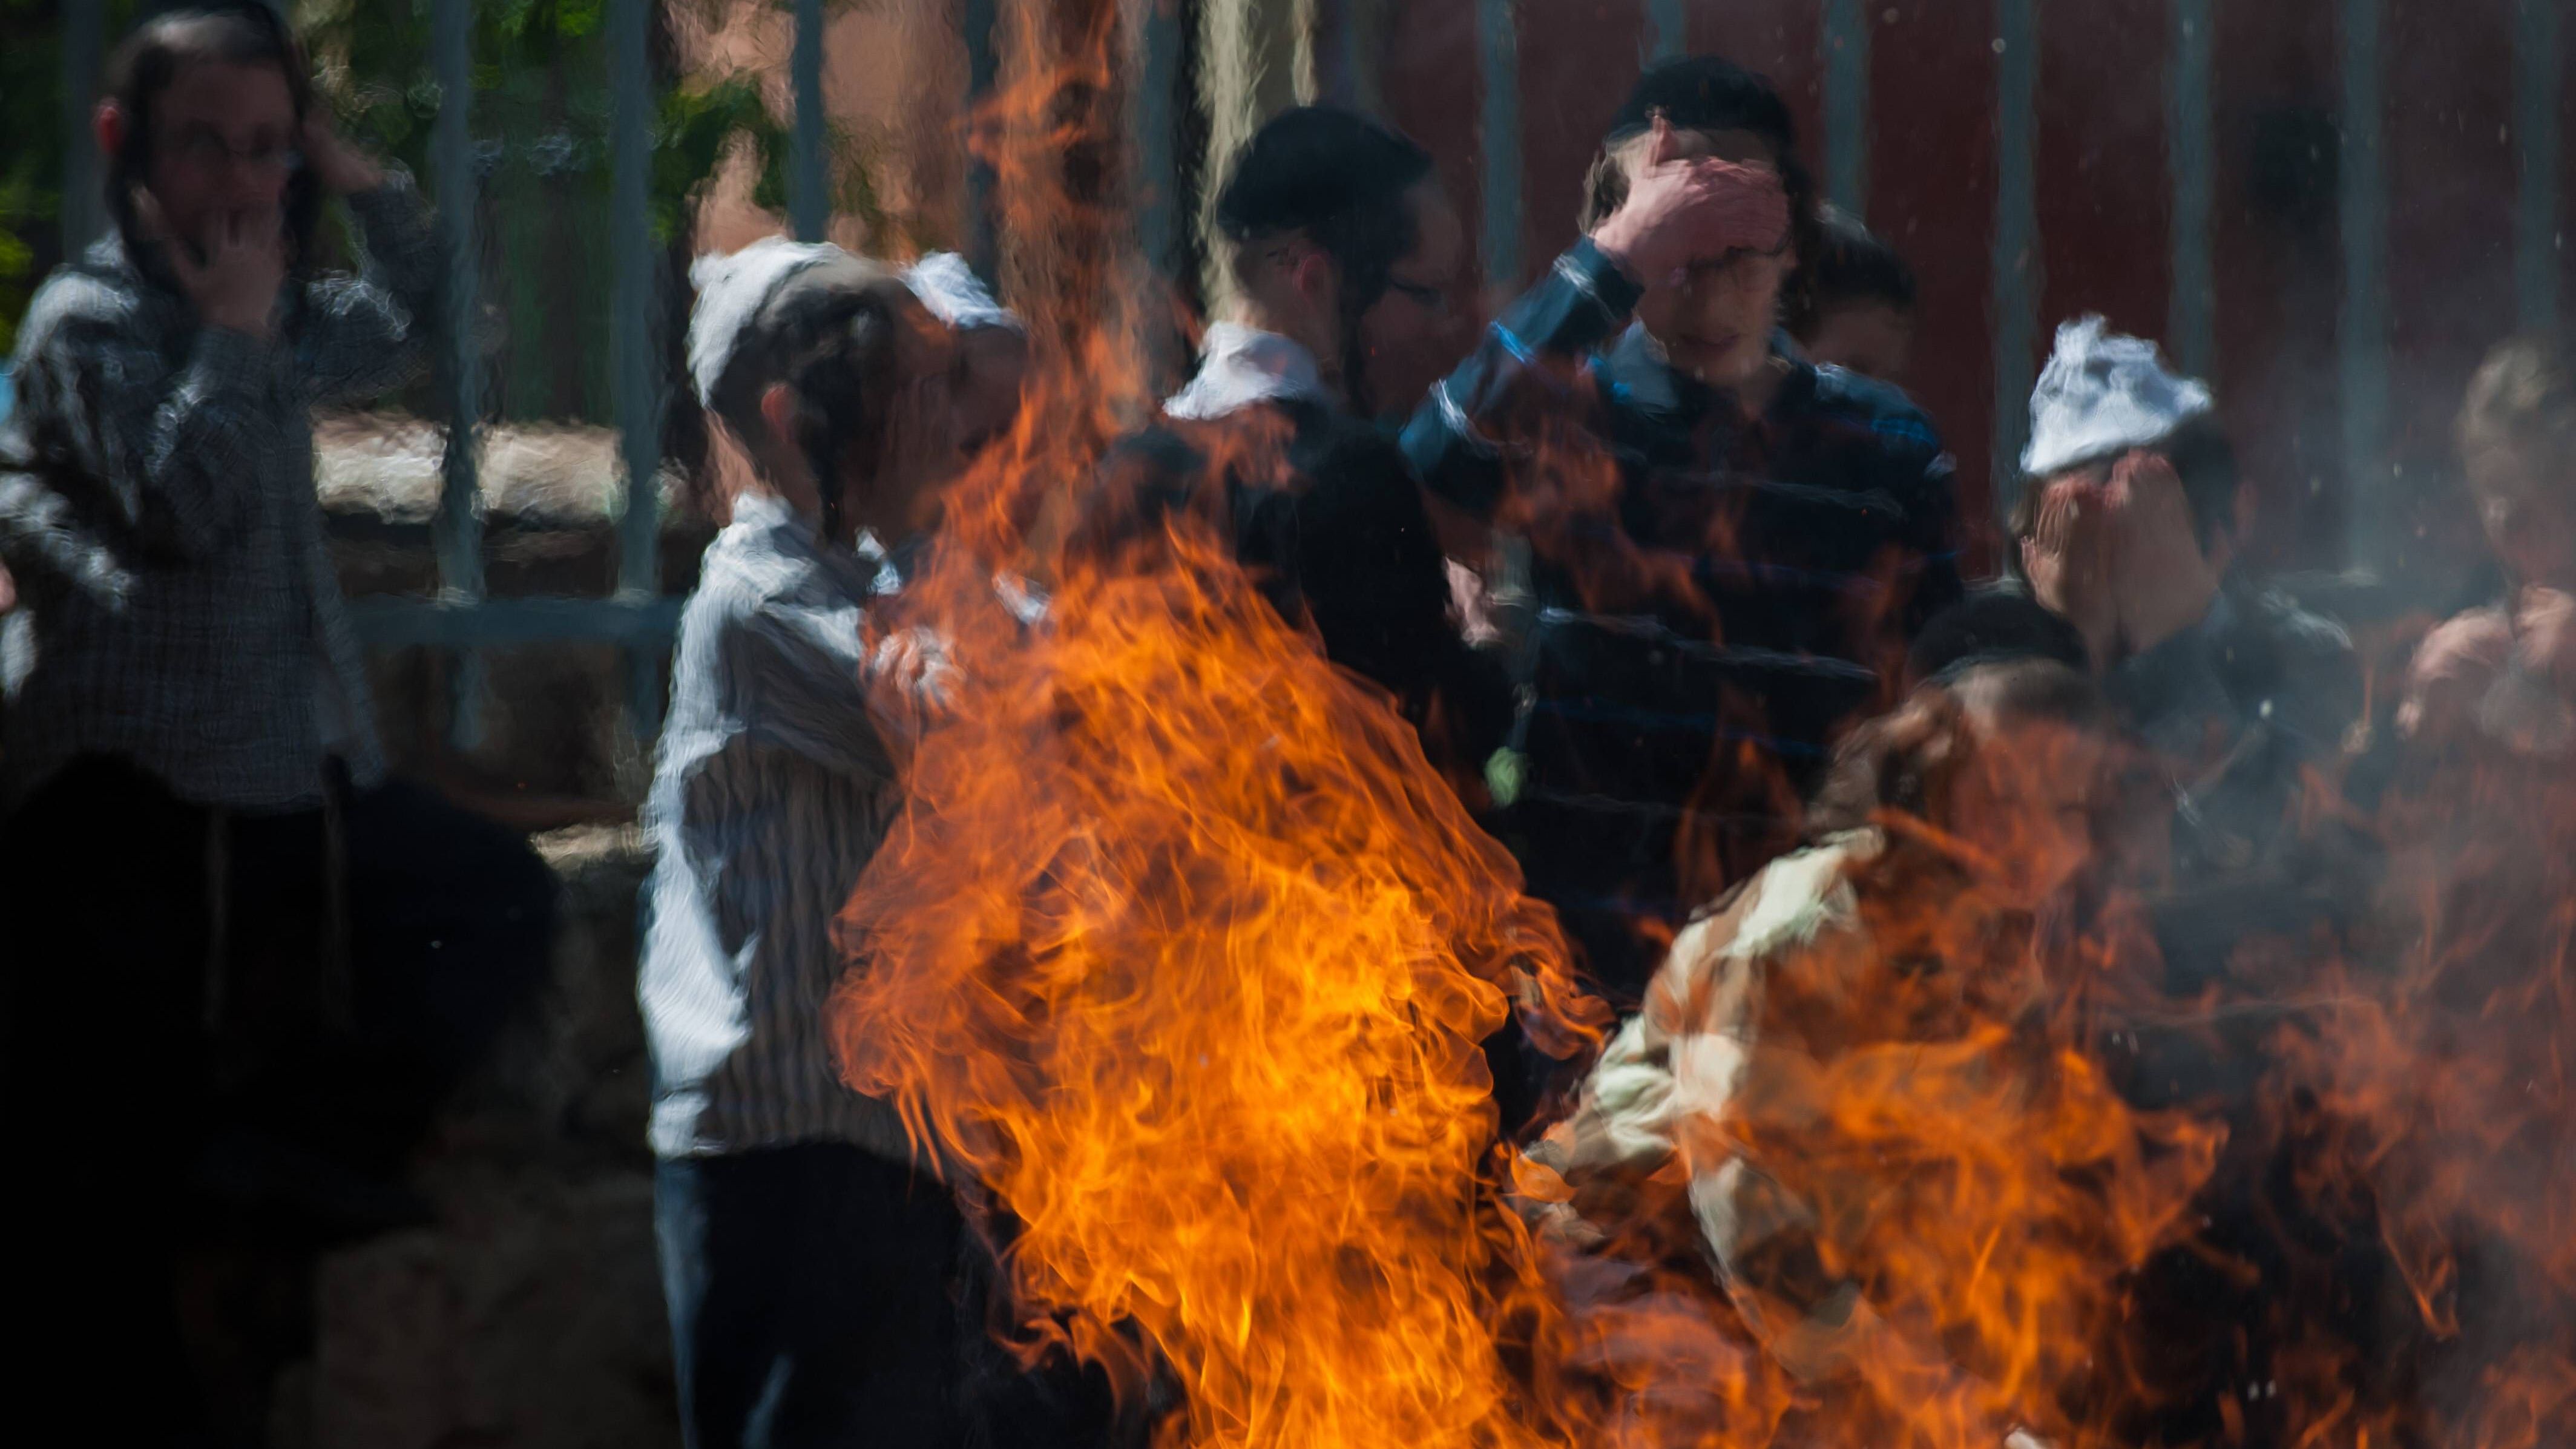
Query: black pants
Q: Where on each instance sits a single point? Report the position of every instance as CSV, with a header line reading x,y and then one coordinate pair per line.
x,y
813,1298
168,974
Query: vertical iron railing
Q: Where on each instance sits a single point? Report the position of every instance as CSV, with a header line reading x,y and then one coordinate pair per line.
x,y
2015,272
809,200
1498,56
1846,84
2191,311
2538,239
635,339
983,72
84,40
2362,329
1668,29
458,534
462,619
1155,102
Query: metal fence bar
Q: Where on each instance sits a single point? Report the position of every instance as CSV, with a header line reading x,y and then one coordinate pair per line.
x,y
2191,151
458,535
809,201
2016,276
1498,53
1158,173
2536,238
1846,67
1360,20
634,339
1669,20
977,19
84,37
2361,332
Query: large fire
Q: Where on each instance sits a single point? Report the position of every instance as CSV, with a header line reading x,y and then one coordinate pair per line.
x,y
1183,955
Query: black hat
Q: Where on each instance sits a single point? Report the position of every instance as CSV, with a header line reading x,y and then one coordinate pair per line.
x,y
1704,93
1309,165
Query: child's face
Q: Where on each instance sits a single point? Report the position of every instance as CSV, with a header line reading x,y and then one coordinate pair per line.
x,y
2028,799
1714,322
896,493
2525,506
223,146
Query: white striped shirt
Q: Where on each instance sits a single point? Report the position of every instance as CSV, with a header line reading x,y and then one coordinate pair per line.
x,y
772,792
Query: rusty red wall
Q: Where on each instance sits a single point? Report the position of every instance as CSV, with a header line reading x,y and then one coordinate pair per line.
x,y
2104,206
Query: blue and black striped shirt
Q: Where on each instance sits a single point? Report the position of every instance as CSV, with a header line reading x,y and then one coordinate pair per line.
x,y
1713,597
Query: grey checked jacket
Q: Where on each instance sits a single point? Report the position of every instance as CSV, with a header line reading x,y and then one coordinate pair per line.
x,y
178,606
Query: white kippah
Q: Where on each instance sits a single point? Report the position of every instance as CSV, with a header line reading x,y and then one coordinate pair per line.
x,y
733,287
2103,394
731,290
955,295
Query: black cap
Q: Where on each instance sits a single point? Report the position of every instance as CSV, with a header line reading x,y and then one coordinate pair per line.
x,y
1704,93
1309,165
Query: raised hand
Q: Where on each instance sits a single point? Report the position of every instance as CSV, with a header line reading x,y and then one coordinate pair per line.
x,y
2544,635
232,273
2068,558
339,166
2452,672
1680,212
2161,580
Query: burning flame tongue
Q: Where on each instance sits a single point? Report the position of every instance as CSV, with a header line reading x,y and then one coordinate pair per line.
x,y
1184,952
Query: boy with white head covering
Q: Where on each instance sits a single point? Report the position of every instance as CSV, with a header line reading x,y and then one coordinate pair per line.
x,y
2127,527
806,1255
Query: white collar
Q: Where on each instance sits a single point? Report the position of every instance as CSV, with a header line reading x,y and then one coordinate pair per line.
x,y
1240,366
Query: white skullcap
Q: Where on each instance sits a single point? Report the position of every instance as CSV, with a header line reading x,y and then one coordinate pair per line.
x,y
2103,394
731,290
955,295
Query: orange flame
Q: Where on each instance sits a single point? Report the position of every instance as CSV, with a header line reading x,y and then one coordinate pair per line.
x,y
1182,954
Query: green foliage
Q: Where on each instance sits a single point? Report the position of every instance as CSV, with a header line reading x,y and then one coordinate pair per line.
x,y
31,160
541,129
31,168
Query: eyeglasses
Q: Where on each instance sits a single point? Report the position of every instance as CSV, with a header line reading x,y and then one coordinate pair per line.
x,y
202,147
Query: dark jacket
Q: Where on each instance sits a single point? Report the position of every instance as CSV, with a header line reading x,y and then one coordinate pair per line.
x,y
1712,599
2243,706
1324,511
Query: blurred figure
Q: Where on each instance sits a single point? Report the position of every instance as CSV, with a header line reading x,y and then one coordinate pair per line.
x,y
225,930
807,1254
2505,673
2127,528
1345,252
1857,309
1729,544
1879,1002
